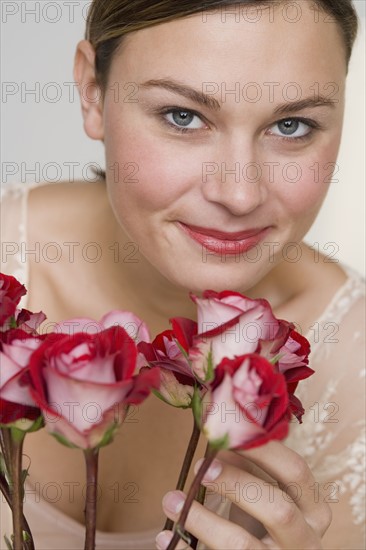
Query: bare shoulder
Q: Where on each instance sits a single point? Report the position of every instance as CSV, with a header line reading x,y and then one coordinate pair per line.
x,y
62,219
326,274
63,208
318,281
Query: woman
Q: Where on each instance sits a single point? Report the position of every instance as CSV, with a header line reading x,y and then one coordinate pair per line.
x,y
213,117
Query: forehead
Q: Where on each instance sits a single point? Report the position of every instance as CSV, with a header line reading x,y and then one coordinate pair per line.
x,y
291,42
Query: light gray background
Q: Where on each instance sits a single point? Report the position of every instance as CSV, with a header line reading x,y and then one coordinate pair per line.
x,y
37,49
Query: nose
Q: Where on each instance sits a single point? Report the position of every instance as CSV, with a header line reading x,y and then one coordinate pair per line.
x,y
234,178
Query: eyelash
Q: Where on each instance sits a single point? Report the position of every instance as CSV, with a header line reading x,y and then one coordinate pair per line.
x,y
312,124
174,109
181,130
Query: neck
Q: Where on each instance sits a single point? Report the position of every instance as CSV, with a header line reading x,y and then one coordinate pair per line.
x,y
151,295
148,290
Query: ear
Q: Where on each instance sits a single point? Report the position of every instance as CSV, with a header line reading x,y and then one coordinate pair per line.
x,y
90,93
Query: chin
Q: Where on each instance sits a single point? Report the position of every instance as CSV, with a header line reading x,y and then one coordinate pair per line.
x,y
239,279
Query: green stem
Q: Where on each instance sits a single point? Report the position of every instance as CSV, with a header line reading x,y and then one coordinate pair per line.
x,y
200,499
6,448
179,528
91,461
5,489
17,490
191,449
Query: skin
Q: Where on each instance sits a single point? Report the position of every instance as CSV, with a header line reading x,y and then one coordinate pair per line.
x,y
170,188
241,132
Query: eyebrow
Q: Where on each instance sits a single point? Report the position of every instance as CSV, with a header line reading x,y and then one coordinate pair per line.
x,y
294,106
212,103
186,91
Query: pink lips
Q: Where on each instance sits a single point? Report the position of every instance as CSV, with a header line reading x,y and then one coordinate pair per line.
x,y
221,242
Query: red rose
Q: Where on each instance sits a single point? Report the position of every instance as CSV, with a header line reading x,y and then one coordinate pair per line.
x,y
16,401
133,325
28,321
290,352
11,292
246,404
83,384
229,325
169,351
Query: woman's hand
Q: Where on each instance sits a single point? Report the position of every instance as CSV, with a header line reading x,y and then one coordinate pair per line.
x,y
287,508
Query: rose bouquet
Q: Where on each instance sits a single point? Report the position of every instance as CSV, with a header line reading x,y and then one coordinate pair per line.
x,y
237,368
236,358
43,376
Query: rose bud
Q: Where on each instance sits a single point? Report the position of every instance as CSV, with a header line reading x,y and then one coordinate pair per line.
x,y
169,351
11,292
17,407
28,321
289,351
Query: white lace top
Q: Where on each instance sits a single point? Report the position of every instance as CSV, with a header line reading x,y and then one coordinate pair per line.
x,y
331,437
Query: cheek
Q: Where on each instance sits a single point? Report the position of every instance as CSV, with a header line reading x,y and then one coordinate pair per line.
x,y
145,171
305,182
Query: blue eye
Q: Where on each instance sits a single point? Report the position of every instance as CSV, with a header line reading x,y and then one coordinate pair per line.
x,y
183,119
292,128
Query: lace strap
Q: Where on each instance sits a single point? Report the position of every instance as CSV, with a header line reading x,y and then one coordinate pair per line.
x,y
14,232
343,300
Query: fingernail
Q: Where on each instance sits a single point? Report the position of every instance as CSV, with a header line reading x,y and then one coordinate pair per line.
x,y
162,539
213,472
173,501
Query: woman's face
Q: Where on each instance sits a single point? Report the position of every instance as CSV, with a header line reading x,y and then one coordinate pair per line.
x,y
220,136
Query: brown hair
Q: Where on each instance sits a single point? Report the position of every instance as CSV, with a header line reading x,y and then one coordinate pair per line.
x,y
109,21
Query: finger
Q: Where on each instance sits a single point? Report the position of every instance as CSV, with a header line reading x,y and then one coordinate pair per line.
x,y
266,502
296,479
213,531
163,539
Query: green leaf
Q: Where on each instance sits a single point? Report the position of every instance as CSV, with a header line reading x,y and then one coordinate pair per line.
x,y
37,424
276,358
64,441
184,353
2,465
12,322
3,469
162,398
8,543
196,405
220,444
17,435
24,425
25,474
210,366
109,435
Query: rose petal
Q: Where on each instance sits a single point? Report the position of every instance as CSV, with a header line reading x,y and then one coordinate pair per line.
x,y
82,403
133,325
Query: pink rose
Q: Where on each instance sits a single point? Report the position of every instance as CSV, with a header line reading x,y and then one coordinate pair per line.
x,y
290,352
169,351
294,357
83,384
28,321
16,401
229,325
135,327
11,292
246,405
291,349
